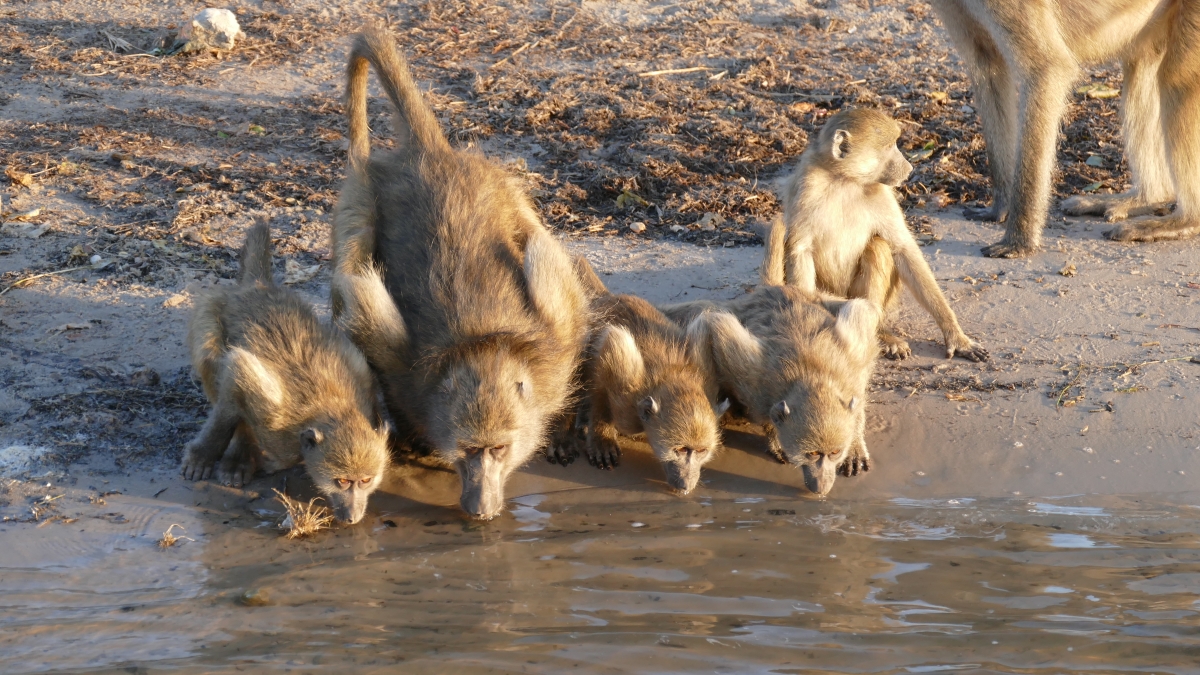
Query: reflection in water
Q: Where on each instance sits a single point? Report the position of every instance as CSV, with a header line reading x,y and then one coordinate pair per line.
x,y
765,585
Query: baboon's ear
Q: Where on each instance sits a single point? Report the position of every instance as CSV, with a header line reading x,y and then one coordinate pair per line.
x,y
853,404
369,316
722,407
553,284
311,438
258,383
524,389
647,408
857,328
841,144
617,354
780,412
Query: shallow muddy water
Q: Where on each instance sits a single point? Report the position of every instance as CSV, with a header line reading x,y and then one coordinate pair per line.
x,y
609,580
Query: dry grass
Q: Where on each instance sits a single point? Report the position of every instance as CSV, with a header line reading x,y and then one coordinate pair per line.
x,y
168,540
303,519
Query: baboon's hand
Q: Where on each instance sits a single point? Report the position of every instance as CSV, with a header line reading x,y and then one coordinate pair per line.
x,y
1155,229
193,468
857,460
604,453
1004,249
775,448
236,473
561,453
966,348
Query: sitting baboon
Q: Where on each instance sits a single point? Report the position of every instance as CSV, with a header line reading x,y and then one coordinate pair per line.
x,y
467,309
642,377
798,365
841,220
1023,58
284,388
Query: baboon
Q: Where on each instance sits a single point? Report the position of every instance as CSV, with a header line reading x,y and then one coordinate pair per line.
x,y
284,388
843,231
467,309
798,365
642,377
1022,59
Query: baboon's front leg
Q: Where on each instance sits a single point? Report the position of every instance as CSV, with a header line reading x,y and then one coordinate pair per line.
x,y
238,464
773,445
201,454
603,450
564,438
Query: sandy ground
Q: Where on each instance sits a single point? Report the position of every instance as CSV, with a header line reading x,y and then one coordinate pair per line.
x,y
1091,388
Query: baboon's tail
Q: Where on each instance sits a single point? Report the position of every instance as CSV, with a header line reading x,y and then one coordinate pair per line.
x,y
256,255
771,272
416,125
592,285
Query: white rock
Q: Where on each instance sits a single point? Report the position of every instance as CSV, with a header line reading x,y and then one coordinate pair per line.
x,y
210,29
637,226
678,228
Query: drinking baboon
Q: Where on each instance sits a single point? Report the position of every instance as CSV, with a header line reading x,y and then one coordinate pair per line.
x,y
641,376
468,310
284,388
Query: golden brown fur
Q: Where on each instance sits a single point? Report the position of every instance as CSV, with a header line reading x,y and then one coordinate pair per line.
x,y
642,377
798,365
285,388
843,231
468,310
1023,57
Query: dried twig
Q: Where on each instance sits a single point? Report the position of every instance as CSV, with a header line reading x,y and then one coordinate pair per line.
x,y
168,540
22,281
673,71
303,519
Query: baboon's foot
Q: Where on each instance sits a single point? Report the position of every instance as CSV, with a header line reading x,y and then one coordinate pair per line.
x,y
965,348
1009,249
893,346
1156,229
992,214
1114,208
604,453
196,465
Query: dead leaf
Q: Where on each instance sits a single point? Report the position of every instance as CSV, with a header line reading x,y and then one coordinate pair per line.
x,y
1098,90
939,96
19,177
294,273
711,221
1151,344
26,230
25,216
1068,271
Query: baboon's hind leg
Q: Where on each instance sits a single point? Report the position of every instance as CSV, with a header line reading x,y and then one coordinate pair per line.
x,y
877,280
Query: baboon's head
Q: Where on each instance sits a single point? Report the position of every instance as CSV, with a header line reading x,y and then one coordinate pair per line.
x,y
346,457
682,427
821,416
860,145
486,423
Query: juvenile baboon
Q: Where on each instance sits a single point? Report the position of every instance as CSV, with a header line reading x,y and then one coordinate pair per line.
x,y
1023,57
642,377
843,231
467,309
799,366
284,388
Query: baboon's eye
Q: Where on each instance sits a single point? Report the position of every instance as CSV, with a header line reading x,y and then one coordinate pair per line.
x,y
344,483
813,454
498,450
473,451
833,453
367,481
700,451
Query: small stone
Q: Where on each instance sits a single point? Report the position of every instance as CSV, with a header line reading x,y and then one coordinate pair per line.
x,y
210,29
1018,444
678,228
145,377
637,227
256,597
967,110
95,260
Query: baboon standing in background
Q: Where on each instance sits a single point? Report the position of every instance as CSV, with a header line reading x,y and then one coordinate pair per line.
x,y
1023,57
467,309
